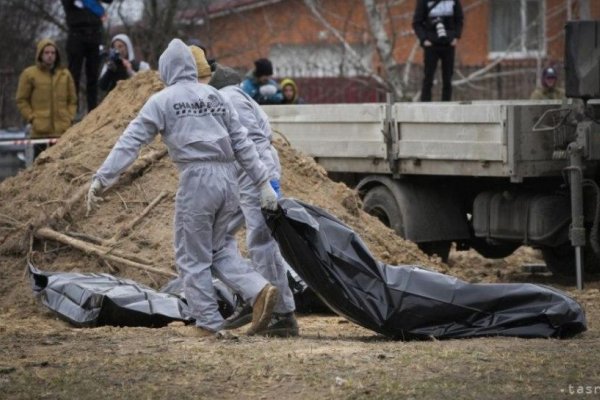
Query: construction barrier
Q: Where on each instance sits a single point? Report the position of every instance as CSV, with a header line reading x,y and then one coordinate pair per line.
x,y
20,142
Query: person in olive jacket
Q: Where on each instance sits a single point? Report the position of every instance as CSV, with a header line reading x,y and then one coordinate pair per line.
x,y
438,24
46,95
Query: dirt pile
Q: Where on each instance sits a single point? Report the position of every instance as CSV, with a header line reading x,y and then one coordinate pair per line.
x,y
35,194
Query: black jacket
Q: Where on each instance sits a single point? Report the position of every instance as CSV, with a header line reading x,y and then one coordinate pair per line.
x,y
82,21
449,12
109,78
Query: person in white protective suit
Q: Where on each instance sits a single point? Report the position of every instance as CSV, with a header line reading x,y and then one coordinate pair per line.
x,y
264,250
204,137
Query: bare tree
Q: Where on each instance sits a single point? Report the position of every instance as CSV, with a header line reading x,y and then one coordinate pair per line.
x,y
161,21
384,47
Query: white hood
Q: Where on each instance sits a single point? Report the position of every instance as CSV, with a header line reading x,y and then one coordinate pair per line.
x,y
177,64
125,39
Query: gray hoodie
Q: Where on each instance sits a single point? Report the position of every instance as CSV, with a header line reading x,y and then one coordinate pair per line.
x,y
198,124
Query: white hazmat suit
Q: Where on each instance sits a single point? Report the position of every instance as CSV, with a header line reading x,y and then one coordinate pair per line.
x,y
264,250
204,137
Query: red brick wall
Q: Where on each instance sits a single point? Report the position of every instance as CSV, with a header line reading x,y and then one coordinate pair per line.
x,y
239,38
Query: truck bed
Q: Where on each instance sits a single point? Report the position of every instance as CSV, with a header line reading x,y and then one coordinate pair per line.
x,y
491,138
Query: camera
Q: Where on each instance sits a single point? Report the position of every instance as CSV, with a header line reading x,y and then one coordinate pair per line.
x,y
114,56
440,29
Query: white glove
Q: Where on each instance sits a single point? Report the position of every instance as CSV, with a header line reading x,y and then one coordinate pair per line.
x,y
267,90
93,197
268,197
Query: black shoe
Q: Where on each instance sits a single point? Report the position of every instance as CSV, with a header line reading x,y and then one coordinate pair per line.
x,y
281,325
241,316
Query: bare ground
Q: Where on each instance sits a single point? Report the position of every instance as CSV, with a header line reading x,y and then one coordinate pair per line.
x,y
43,357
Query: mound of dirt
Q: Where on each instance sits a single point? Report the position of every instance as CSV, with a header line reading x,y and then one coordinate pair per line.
x,y
36,193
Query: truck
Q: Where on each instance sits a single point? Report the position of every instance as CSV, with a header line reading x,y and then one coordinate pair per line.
x,y
487,175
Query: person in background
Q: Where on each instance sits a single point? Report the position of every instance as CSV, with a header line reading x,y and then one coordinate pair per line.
x,y
203,67
84,23
264,250
212,62
438,25
549,89
203,134
260,85
290,92
46,95
121,63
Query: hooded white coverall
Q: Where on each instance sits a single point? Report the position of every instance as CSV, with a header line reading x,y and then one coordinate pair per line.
x,y
204,137
264,251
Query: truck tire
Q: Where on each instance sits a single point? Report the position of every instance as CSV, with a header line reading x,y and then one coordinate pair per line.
x,y
489,250
380,203
561,260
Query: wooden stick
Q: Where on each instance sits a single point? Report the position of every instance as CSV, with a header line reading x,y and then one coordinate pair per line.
x,y
88,248
88,237
123,201
126,228
106,245
110,267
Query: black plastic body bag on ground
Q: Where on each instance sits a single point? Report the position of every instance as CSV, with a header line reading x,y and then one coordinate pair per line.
x,y
408,302
88,299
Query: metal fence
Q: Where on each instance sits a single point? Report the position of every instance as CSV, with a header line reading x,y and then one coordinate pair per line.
x,y
508,80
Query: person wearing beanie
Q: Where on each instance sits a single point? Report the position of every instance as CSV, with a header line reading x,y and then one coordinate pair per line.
x,y
211,61
264,251
121,63
259,83
290,92
549,89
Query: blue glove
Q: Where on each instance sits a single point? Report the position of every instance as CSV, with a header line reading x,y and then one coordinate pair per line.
x,y
276,187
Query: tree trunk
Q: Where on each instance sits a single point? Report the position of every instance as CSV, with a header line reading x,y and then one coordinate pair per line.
x,y
384,47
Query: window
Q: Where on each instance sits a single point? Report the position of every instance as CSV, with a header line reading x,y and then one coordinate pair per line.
x,y
516,28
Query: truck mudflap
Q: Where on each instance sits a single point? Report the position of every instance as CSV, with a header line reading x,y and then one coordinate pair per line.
x,y
409,302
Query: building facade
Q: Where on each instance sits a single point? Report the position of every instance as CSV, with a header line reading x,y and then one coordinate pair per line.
x,y
328,47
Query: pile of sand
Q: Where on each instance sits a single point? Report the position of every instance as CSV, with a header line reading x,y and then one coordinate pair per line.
x,y
63,169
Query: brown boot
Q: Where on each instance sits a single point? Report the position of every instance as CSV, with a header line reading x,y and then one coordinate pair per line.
x,y
263,308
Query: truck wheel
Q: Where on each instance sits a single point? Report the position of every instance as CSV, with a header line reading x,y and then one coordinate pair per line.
x,y
380,203
489,250
561,260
